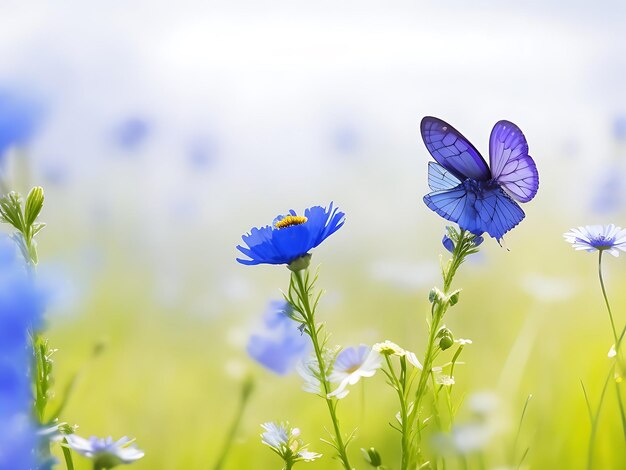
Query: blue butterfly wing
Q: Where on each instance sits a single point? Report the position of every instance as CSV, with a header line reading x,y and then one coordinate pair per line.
x,y
498,213
440,179
453,151
489,210
511,166
456,205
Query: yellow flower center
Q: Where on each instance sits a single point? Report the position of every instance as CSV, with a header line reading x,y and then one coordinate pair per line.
x,y
290,220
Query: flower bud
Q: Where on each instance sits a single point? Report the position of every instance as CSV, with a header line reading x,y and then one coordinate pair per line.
x,y
454,297
446,338
446,342
435,295
372,457
448,243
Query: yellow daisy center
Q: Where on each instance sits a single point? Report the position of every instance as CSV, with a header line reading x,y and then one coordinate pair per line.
x,y
290,220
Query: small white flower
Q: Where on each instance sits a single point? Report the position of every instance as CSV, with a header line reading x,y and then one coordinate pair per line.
x,y
445,380
463,439
309,370
484,403
275,435
597,238
470,437
412,358
612,352
285,441
308,456
392,349
463,342
352,364
389,348
105,453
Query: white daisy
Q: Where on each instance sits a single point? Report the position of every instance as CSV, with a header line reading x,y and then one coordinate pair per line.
x,y
392,349
597,238
352,364
105,453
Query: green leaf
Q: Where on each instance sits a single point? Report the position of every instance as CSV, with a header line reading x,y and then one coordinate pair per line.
x,y
34,203
11,210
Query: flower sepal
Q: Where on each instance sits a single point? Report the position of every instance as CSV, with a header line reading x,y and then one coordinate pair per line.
x,y
300,264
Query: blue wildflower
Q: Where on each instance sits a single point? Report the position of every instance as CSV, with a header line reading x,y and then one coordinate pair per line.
x,y
449,244
20,311
19,119
290,236
281,344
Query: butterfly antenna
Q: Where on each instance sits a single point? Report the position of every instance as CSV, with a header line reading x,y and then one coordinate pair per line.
x,y
502,243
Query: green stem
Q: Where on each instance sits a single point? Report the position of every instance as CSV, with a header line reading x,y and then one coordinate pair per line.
x,y
245,395
606,300
403,412
438,310
67,455
617,343
594,421
309,317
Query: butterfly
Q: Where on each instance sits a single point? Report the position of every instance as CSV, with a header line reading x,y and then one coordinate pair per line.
x,y
466,191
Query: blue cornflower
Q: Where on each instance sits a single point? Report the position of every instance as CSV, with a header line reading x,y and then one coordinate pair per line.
x,y
597,238
19,119
281,344
20,310
290,236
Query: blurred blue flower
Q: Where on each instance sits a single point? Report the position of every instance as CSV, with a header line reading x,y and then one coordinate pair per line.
x,y
345,139
281,344
290,236
131,133
202,153
20,117
20,311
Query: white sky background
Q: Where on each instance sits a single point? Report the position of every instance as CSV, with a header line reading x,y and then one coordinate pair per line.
x,y
274,85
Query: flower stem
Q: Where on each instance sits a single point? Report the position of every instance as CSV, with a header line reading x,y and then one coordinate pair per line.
x,y
463,247
313,331
606,300
594,420
246,390
618,340
400,387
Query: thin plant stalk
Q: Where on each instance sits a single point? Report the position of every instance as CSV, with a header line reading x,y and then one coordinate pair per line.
x,y
313,331
246,391
463,247
618,339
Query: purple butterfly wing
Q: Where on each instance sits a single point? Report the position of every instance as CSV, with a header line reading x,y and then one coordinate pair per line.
x,y
453,151
510,163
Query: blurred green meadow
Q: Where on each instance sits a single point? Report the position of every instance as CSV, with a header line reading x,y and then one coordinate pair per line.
x,y
161,142
172,377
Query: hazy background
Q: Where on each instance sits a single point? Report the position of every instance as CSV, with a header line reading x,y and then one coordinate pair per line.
x,y
166,130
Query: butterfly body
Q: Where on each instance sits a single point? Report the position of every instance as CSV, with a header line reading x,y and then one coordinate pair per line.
x,y
466,191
